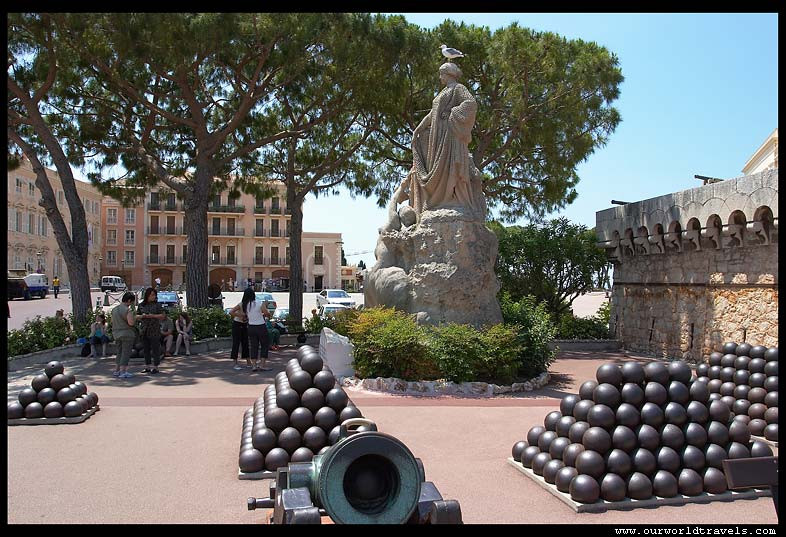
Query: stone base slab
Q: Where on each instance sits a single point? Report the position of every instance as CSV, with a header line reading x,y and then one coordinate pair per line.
x,y
655,501
54,421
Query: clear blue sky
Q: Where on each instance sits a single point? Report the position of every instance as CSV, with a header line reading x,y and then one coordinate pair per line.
x,y
699,97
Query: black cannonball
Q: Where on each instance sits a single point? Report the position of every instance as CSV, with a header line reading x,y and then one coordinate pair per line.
x,y
567,404
324,381
668,459
65,395
760,449
715,397
609,374
736,450
729,348
606,394
550,470
326,418
81,387
518,447
690,482
618,462
632,394
771,415
705,380
314,438
719,411
545,440
728,400
656,372
551,419
53,368
639,486
743,418
577,430
27,396
69,377
601,416
728,360
303,350
276,458
571,453
251,460
757,395
771,354
40,382
539,461
758,351
15,410
623,438
679,371
300,381
664,484
301,419
656,393
263,439
557,447
644,461
741,363
743,349
727,389
675,413
679,392
528,454
534,434
714,481
323,450
695,435
702,370
714,374
53,410
336,399
83,401
771,369
564,424
276,419
632,372
582,408
727,374
741,376
72,409
741,406
302,454
756,411
693,457
290,439
771,432
699,392
586,389
348,413
58,382
697,412
313,399
597,439
714,455
715,358
672,436
312,364
741,391
648,437
34,410
288,399
718,433
47,395
564,477
584,489
651,414
757,365
771,383
771,399
613,488
591,463
628,415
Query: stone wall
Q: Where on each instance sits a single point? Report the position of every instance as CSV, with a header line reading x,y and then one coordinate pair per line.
x,y
694,269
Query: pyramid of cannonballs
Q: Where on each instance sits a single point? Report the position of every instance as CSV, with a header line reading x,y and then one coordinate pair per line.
x,y
638,432
53,394
745,377
297,417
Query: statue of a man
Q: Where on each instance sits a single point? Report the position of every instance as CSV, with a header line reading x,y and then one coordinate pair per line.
x,y
443,174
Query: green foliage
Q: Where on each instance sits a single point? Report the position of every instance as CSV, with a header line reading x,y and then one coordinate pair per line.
x,y
535,331
39,334
595,327
555,262
464,353
207,322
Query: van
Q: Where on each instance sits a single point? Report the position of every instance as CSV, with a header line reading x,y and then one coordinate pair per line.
x,y
112,283
28,286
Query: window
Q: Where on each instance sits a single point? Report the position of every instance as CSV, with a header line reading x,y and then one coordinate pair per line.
x,y
185,254
130,237
19,221
154,200
259,255
31,223
216,226
260,228
111,257
318,255
153,253
289,228
170,253
19,184
111,216
215,257
153,225
170,201
230,226
217,200
170,225
42,226
129,259
260,203
230,255
111,236
31,191
288,262
275,203
17,261
11,220
131,216
274,232
274,255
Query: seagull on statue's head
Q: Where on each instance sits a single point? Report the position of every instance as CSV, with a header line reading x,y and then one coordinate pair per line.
x,y
451,53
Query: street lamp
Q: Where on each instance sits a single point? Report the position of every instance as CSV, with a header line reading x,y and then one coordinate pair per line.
x,y
100,262
39,254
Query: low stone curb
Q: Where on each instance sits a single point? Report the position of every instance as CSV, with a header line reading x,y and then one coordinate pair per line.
x,y
578,345
442,387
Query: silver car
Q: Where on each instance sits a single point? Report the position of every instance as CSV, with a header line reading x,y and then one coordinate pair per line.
x,y
335,296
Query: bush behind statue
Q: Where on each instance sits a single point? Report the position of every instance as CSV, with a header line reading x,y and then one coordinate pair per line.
x,y
536,331
594,327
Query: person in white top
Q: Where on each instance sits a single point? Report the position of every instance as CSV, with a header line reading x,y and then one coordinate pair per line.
x,y
256,313
240,327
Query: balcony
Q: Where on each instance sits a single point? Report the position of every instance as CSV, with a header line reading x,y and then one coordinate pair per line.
x,y
259,210
224,232
268,261
164,260
226,209
165,206
111,221
260,233
275,210
223,261
111,242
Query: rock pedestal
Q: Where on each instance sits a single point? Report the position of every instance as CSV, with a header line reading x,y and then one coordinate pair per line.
x,y
441,269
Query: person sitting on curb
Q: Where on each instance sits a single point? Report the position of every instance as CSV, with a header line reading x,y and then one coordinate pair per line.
x,y
275,334
185,333
167,335
98,336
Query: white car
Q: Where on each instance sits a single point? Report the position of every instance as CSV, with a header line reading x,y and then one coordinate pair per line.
x,y
335,296
330,310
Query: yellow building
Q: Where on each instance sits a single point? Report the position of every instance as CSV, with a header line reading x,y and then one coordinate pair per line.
x,y
31,241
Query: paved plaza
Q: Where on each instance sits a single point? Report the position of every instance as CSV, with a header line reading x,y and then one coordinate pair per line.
x,y
163,449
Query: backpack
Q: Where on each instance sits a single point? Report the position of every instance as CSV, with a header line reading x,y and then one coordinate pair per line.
x,y
86,350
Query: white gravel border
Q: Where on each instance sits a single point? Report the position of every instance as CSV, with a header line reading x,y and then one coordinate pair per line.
x,y
442,387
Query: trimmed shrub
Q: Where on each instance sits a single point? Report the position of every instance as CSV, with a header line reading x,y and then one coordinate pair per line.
x,y
535,331
595,327
463,353
207,322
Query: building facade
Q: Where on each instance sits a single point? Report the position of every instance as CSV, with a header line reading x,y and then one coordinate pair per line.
x,y
765,157
32,245
124,242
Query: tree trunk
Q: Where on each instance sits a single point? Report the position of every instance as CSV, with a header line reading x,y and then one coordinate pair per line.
x,y
295,204
195,226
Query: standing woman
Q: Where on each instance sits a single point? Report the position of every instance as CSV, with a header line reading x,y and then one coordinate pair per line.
x,y
240,327
256,312
151,313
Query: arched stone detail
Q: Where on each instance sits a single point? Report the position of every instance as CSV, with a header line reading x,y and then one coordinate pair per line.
x,y
735,228
762,224
712,230
641,240
674,237
626,242
692,233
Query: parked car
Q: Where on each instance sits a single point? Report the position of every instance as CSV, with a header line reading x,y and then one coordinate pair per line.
x,y
335,296
330,310
167,299
281,314
112,283
271,306
28,286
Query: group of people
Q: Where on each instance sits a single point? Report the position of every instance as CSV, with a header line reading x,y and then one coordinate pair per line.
x,y
155,328
252,331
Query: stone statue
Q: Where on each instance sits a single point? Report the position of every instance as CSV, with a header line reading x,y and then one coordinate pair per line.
x,y
435,256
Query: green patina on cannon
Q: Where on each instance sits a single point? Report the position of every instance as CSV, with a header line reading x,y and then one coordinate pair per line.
x,y
367,477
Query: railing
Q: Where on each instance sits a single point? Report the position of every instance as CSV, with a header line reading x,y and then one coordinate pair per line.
x,y
164,260
278,261
275,210
111,221
165,206
223,261
111,242
260,233
259,209
129,243
224,232
274,233
226,209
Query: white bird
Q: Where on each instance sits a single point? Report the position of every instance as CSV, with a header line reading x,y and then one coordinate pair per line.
x,y
451,53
